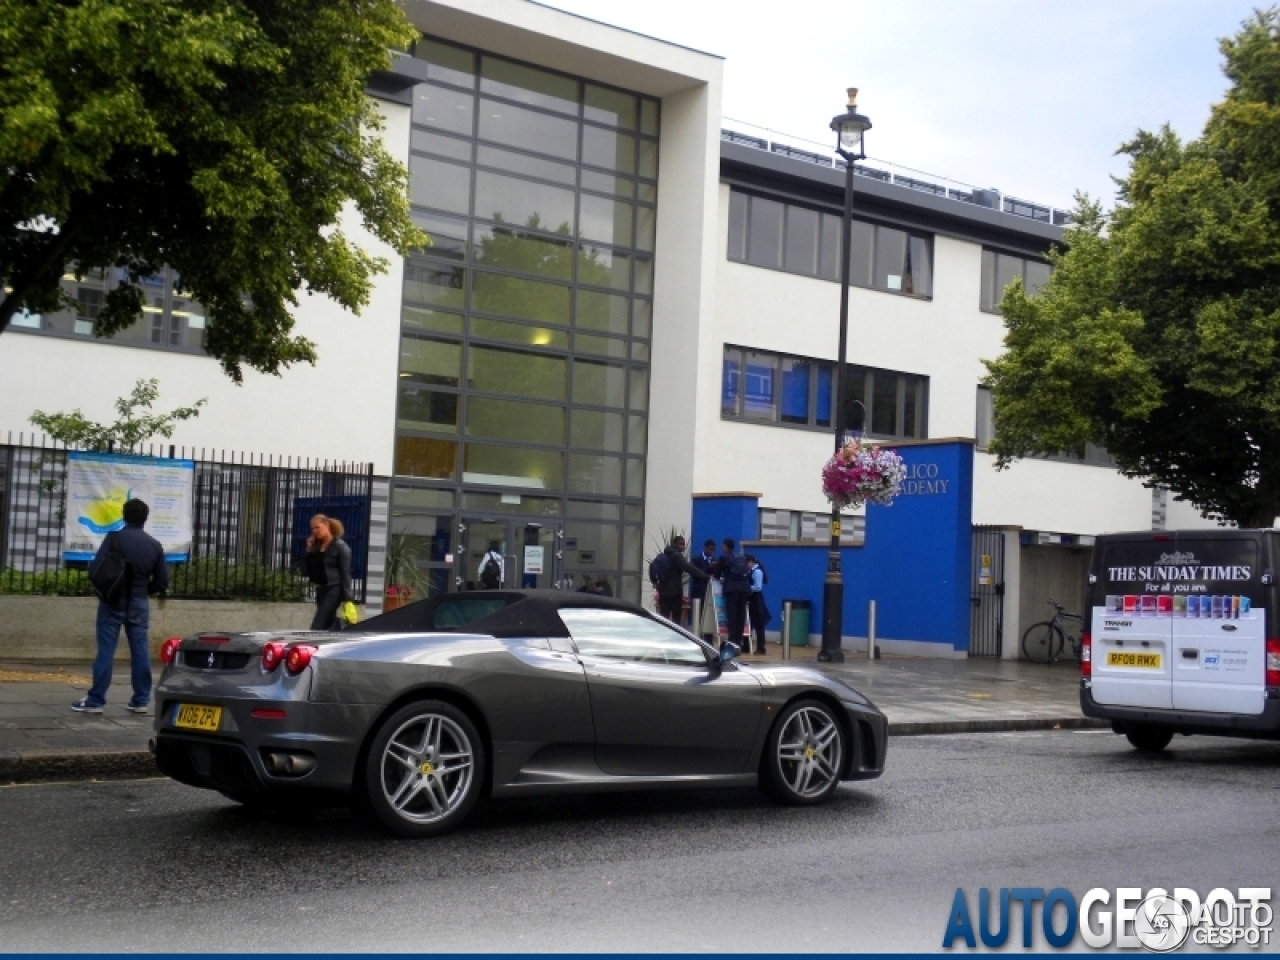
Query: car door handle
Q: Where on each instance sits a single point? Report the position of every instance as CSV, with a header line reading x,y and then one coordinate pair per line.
x,y
1190,654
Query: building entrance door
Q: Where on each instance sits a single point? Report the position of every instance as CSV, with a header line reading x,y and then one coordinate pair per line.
x,y
529,556
986,627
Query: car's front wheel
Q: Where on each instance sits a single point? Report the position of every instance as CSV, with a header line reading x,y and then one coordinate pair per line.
x,y
425,769
804,754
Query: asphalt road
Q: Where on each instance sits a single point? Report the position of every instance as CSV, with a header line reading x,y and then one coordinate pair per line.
x,y
153,865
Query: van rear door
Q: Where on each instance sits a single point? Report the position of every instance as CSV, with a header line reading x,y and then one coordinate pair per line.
x,y
1132,624
1131,659
1219,662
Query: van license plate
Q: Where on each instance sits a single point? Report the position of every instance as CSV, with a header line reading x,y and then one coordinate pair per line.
x,y
1148,661
196,716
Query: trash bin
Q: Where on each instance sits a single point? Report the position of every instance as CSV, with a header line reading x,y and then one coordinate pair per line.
x,y
800,613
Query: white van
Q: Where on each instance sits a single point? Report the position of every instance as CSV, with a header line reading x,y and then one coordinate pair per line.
x,y
1183,635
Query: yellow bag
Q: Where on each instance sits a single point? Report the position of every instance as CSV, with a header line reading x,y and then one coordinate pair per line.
x,y
348,612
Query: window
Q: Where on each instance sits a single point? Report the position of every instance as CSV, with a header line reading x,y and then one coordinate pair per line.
x,y
785,236
768,387
986,426
1001,269
618,635
802,526
985,430
169,320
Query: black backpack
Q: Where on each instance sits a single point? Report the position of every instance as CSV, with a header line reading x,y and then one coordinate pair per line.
x,y
659,567
738,571
111,574
491,572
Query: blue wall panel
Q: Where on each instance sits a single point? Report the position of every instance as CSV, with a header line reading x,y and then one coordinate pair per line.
x,y
914,564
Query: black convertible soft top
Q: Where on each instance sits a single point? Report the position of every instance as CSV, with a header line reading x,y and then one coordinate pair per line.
x,y
494,613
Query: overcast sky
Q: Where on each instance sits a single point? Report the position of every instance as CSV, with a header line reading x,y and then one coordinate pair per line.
x,y
1031,97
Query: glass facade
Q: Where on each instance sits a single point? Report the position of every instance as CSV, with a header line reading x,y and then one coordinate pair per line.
x,y
524,361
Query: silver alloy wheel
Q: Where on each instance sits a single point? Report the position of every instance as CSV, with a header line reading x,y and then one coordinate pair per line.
x,y
810,752
427,767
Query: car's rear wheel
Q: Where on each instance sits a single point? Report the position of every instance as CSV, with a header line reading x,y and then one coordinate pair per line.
x,y
803,755
1149,739
425,769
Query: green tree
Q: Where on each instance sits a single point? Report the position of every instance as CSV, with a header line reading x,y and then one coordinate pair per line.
x,y
136,423
222,138
1158,336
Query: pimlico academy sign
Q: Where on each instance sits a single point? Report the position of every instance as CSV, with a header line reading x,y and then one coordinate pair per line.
x,y
922,480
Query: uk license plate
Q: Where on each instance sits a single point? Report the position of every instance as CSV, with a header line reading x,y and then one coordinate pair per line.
x,y
197,716
1145,661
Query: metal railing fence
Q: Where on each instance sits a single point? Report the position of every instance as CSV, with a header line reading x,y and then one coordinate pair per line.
x,y
250,521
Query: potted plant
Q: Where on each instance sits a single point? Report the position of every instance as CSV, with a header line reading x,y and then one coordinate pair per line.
x,y
405,581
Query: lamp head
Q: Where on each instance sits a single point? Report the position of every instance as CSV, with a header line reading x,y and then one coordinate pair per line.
x,y
850,127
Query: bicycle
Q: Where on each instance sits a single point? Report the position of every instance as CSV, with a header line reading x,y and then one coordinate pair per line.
x,y
1044,642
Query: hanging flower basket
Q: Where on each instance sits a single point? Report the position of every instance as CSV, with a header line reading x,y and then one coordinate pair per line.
x,y
861,473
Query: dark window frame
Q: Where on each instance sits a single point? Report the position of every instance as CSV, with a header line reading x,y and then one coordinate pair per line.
x,y
904,381
826,263
990,270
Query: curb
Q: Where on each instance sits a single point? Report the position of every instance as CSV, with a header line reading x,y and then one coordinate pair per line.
x,y
49,766
90,764
927,727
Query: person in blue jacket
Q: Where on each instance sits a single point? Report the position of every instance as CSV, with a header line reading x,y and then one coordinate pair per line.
x,y
148,575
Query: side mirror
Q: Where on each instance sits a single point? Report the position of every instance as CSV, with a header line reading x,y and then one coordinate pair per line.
x,y
728,652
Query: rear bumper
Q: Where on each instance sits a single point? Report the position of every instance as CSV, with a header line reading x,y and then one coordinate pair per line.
x,y
1263,726
235,759
870,729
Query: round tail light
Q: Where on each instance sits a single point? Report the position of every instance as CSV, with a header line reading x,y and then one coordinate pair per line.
x,y
273,654
298,657
169,650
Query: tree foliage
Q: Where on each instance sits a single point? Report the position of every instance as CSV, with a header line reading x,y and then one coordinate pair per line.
x,y
222,137
1158,335
136,424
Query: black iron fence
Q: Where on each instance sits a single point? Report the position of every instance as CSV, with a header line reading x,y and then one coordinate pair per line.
x,y
250,518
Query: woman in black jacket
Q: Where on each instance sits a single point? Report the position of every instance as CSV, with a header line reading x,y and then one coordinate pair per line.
x,y
328,565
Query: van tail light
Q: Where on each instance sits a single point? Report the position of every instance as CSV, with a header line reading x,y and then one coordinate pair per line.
x,y
1273,663
169,650
273,654
1086,655
298,657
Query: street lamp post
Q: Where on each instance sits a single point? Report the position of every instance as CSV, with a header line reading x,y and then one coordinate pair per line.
x,y
849,127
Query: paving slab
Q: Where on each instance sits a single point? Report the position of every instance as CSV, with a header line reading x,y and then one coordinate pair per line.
x,y
42,739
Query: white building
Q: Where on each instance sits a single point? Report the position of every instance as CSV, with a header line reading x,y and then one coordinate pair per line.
x,y
622,309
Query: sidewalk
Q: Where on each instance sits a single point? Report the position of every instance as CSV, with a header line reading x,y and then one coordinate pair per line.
x,y
41,739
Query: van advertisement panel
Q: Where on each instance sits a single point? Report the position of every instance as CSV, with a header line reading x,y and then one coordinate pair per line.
x,y
1193,579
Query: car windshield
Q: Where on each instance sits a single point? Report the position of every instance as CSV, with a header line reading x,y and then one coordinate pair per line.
x,y
620,635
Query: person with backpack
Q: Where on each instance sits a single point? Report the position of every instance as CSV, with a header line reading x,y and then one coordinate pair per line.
x,y
735,579
491,572
666,573
128,568
328,564
760,615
